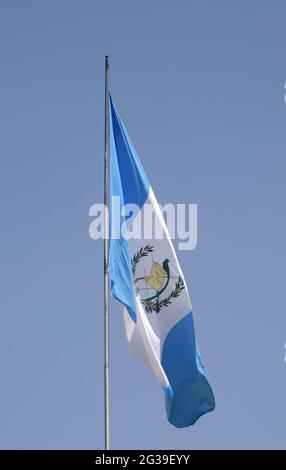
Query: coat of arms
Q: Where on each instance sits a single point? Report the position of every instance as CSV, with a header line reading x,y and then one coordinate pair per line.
x,y
150,287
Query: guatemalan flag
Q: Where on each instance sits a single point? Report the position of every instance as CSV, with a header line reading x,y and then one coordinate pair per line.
x,y
147,279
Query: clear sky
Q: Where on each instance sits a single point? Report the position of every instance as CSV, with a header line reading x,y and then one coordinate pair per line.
x,y
200,88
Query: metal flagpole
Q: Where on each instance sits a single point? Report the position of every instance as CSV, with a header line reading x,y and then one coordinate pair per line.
x,y
106,260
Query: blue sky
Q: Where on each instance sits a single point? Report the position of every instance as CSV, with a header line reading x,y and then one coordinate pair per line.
x,y
200,88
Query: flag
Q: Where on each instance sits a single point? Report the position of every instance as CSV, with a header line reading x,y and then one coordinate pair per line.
x,y
146,278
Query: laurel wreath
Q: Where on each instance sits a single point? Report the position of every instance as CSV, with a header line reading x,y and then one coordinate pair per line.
x,y
144,251
155,305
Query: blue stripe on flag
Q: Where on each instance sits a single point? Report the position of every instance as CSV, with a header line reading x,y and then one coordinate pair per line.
x,y
190,395
135,184
129,182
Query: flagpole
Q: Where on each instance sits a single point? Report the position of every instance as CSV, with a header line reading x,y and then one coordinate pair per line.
x,y
106,260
